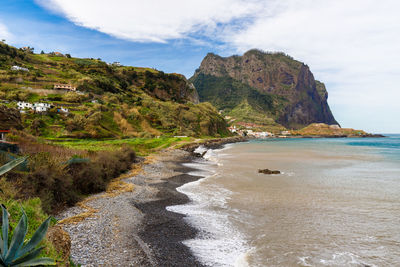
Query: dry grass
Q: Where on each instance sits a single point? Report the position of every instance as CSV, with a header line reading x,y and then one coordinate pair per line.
x,y
29,144
124,125
81,216
147,128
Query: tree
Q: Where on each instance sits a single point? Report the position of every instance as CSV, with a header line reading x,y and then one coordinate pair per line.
x,y
42,52
68,55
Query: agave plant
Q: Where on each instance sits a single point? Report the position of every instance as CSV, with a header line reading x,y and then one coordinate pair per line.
x,y
17,253
12,164
9,166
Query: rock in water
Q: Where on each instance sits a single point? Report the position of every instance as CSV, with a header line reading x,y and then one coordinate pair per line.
x,y
267,171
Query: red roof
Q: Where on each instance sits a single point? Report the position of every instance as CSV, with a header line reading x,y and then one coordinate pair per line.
x,y
4,131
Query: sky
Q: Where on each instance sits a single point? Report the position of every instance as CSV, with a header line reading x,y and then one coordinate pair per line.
x,y
350,45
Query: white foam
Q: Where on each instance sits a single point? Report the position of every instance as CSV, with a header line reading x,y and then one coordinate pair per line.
x,y
243,259
201,149
200,169
303,261
218,242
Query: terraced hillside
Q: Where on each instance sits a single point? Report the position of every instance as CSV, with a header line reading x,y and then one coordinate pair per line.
x,y
110,101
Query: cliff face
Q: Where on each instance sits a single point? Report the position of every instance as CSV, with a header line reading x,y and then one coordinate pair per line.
x,y
296,98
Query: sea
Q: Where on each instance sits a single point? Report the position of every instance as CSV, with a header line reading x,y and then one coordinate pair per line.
x,y
335,203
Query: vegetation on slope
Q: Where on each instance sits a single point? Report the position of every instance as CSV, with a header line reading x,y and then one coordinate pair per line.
x,y
112,102
321,129
240,101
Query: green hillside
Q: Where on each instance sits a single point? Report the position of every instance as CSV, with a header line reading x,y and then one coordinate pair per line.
x,y
111,101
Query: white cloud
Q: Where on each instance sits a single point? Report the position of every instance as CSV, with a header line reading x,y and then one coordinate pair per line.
x,y
4,34
351,45
152,20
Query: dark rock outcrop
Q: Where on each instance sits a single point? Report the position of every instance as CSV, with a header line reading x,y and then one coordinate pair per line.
x,y
212,144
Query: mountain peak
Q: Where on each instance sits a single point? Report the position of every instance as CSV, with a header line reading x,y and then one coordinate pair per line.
x,y
295,99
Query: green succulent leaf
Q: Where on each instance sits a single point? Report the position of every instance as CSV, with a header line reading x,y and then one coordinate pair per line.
x,y
4,229
30,256
18,238
12,164
36,238
1,248
36,262
18,254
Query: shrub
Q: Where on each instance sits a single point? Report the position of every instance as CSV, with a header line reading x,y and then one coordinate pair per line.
x,y
72,97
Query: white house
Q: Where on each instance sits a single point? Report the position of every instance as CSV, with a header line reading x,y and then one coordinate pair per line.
x,y
18,68
38,107
24,105
41,107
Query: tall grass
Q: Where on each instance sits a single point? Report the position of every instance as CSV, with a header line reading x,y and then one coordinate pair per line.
x,y
59,181
143,146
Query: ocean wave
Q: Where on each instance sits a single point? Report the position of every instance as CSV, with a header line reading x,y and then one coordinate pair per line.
x,y
218,242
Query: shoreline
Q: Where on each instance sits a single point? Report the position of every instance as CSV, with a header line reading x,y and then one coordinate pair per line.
x,y
134,228
165,230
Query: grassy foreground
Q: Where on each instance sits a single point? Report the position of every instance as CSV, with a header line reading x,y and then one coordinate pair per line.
x,y
142,146
61,172
35,214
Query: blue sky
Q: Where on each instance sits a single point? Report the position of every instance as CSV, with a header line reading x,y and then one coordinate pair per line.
x,y
31,24
351,46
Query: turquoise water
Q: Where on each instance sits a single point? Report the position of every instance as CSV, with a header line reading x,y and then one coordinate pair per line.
x,y
336,203
389,146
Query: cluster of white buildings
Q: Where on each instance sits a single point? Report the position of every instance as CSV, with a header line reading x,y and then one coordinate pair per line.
x,y
18,68
115,64
249,132
38,107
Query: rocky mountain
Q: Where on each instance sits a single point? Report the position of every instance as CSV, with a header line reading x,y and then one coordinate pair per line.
x,y
268,89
